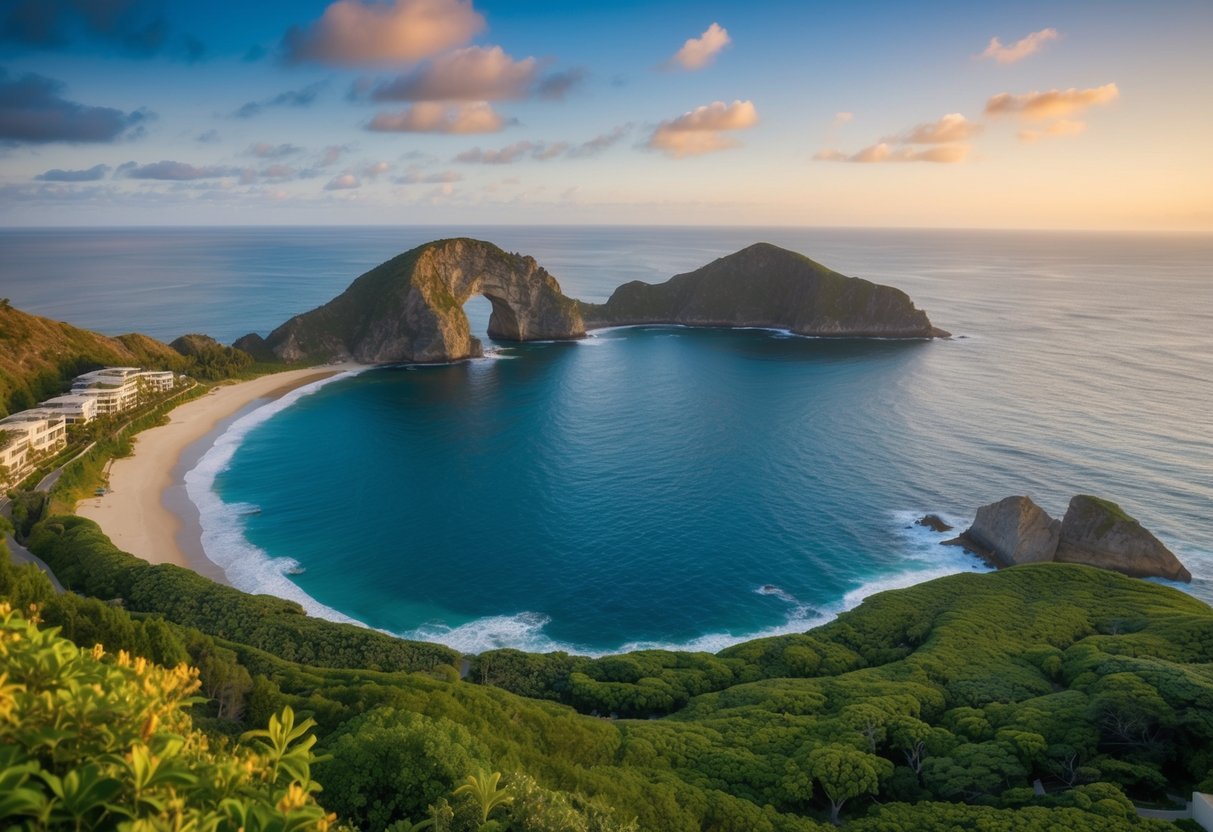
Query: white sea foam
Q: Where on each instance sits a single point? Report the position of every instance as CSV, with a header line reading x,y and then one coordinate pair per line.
x,y
246,566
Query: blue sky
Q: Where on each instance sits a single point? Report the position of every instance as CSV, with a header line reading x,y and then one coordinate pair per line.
x,y
1082,115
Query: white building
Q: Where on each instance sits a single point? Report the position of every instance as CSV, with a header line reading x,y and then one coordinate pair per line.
x,y
76,409
158,381
14,455
116,389
44,430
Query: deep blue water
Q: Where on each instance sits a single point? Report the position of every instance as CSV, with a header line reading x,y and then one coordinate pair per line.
x,y
673,486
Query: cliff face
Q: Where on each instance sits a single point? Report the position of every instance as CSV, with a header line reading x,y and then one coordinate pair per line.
x,y
410,309
1015,530
767,286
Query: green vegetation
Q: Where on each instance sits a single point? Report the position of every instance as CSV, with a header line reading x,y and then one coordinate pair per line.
x,y
209,360
933,707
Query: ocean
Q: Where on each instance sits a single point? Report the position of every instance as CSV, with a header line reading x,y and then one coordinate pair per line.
x,y
667,487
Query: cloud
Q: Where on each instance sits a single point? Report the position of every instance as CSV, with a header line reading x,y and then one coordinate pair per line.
x,y
376,169
699,131
291,98
265,150
558,85
600,143
356,33
175,171
843,117
1021,48
473,74
885,152
438,117
133,27
699,52
344,182
1042,106
278,171
34,111
207,137
504,156
953,127
414,177
1057,130
93,174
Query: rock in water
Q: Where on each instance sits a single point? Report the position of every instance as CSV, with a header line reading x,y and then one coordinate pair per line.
x,y
410,309
1012,531
1099,533
934,522
767,286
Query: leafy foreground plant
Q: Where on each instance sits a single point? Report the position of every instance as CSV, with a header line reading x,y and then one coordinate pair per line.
x,y
89,741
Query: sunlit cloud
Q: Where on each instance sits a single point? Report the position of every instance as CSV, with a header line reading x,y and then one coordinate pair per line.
x,y
304,97
1041,106
1057,130
34,111
1020,49
355,33
376,169
885,152
439,117
344,182
698,53
472,74
701,130
953,127
416,177
92,174
170,171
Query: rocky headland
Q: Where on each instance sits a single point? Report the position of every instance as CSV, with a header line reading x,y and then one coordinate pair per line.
x,y
1094,531
410,309
767,286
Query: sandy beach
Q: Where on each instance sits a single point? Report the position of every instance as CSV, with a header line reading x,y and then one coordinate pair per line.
x,y
144,511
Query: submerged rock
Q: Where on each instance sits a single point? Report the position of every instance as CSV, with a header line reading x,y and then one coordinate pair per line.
x,y
1012,531
767,286
1099,533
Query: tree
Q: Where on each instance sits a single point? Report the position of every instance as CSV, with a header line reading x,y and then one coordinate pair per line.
x,y
845,773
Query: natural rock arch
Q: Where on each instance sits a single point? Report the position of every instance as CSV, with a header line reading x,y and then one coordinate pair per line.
x,y
410,309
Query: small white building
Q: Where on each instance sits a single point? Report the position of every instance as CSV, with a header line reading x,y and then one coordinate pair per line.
x,y
76,409
158,381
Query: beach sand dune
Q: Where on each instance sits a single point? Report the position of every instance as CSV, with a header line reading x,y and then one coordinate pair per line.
x,y
145,511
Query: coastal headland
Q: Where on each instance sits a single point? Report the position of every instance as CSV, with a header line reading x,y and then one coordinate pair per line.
x,y
135,511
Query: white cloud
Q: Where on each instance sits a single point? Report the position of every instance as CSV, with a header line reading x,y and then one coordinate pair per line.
x,y
354,33
1020,49
473,74
699,52
700,130
344,182
438,117
885,152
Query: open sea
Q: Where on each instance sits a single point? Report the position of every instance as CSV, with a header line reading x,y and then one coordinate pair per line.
x,y
661,486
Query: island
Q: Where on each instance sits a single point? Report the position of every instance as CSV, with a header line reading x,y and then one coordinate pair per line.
x,y
410,309
766,286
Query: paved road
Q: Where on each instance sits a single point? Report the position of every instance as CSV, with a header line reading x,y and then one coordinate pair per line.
x,y
22,555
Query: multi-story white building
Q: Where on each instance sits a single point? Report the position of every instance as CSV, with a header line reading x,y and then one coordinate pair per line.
x,y
27,436
76,409
116,389
14,455
158,381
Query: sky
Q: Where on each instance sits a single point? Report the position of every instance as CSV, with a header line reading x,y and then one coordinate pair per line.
x,y
1051,115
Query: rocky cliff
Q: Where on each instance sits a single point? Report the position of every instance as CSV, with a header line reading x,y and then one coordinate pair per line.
x,y
410,309
1095,532
767,286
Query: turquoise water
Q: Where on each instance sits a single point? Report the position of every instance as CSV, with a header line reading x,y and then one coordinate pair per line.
x,y
676,487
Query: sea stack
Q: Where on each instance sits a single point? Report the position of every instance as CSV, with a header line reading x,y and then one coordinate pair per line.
x,y
1095,532
767,286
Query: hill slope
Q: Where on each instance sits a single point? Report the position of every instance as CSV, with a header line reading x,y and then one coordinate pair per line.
x,y
38,356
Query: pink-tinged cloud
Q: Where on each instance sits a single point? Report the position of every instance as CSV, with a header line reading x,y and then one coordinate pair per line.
x,y
278,172
1020,49
416,177
885,152
357,33
1057,130
376,169
438,117
700,131
344,182
1041,106
472,74
953,127
699,52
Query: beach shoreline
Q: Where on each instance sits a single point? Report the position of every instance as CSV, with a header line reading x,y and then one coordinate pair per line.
x,y
145,510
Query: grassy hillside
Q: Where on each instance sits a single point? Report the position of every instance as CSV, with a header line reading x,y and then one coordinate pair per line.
x,y
39,357
933,707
